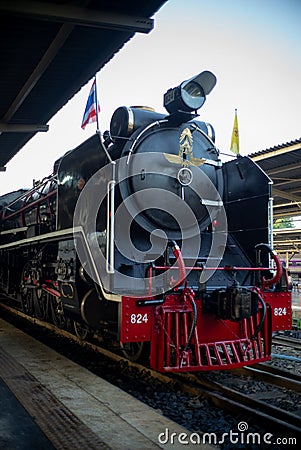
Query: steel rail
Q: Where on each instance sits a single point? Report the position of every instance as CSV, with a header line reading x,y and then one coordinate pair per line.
x,y
235,401
273,375
287,342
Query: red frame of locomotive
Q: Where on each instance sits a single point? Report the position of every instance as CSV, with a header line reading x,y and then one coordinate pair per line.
x,y
227,346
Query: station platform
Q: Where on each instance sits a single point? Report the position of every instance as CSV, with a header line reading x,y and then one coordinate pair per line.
x,y
48,402
17,429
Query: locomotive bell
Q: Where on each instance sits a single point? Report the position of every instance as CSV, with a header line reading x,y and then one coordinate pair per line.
x,y
190,95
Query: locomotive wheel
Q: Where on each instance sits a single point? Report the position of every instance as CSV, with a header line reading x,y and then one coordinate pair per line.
x,y
32,298
27,301
57,312
132,350
40,303
81,330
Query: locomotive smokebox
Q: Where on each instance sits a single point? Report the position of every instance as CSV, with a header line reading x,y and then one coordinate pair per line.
x,y
170,178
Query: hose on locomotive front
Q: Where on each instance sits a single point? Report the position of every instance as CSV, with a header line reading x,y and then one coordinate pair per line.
x,y
269,282
195,316
180,261
187,295
264,311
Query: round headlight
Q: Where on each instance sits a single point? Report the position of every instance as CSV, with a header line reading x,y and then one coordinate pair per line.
x,y
192,95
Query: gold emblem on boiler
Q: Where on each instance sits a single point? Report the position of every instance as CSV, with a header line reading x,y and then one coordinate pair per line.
x,y
185,156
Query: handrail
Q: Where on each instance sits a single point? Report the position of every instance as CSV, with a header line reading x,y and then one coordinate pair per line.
x,y
27,205
110,238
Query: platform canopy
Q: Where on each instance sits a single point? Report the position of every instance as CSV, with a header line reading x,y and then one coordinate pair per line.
x,y
50,49
282,164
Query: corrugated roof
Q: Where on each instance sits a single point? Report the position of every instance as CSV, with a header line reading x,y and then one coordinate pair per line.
x,y
276,147
49,50
283,165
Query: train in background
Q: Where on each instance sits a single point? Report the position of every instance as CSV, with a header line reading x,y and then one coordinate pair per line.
x,y
146,238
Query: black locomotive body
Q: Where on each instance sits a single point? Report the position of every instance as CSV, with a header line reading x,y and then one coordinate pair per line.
x,y
147,237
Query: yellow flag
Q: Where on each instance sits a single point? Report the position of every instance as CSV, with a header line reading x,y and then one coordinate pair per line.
x,y
235,136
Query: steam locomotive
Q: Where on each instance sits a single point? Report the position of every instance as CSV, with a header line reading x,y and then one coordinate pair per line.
x,y
146,238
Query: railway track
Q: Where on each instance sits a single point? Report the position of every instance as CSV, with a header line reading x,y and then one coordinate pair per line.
x,y
232,400
287,341
199,386
273,375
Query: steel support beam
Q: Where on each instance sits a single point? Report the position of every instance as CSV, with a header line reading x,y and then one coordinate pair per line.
x,y
280,215
78,16
47,58
282,169
284,205
287,195
21,128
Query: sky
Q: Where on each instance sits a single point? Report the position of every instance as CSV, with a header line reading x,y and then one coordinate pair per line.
x,y
252,46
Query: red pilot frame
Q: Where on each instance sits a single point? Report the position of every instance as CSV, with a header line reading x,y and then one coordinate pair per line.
x,y
184,336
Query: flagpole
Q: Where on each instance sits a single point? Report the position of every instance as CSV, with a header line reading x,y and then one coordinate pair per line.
x,y
234,147
96,101
97,125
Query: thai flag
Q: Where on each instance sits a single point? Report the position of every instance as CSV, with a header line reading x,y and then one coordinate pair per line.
x,y
90,114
